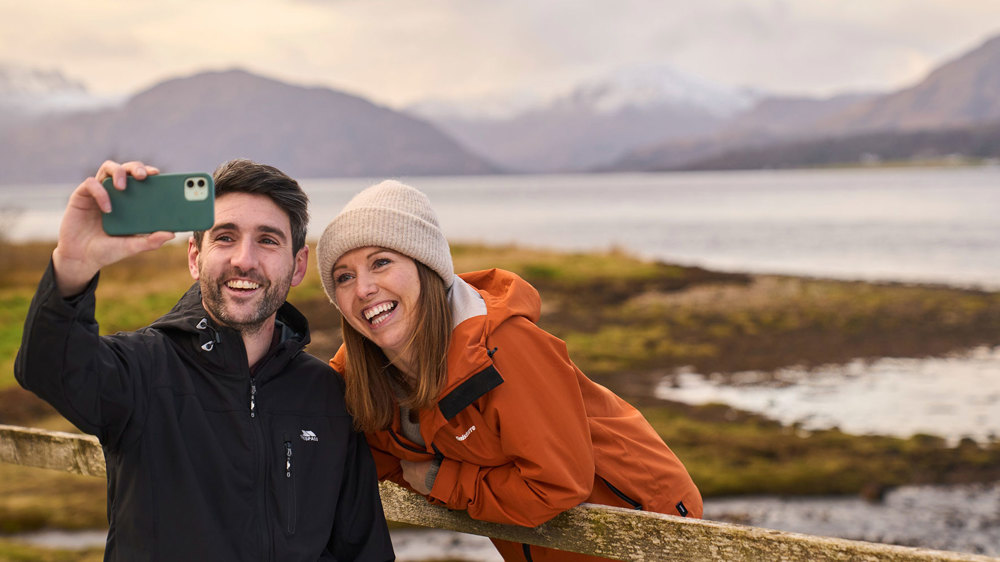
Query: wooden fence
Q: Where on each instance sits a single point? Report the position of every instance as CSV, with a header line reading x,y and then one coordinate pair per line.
x,y
610,532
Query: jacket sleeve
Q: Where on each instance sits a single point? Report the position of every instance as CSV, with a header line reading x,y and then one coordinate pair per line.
x,y
360,531
63,360
541,421
387,467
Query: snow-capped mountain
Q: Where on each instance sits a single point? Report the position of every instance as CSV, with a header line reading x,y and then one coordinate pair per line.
x,y
592,123
31,91
638,87
489,107
656,85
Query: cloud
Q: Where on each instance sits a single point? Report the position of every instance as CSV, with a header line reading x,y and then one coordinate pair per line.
x,y
398,52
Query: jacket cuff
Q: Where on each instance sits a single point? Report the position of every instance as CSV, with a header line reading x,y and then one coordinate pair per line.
x,y
432,473
446,479
49,286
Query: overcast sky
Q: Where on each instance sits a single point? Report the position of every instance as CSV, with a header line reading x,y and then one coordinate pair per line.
x,y
400,51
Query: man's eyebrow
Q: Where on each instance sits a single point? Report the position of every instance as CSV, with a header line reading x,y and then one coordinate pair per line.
x,y
223,226
262,228
273,230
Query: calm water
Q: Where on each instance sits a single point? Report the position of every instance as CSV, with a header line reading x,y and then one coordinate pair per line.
x,y
937,225
952,397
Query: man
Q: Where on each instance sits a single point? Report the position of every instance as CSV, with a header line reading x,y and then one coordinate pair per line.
x,y
223,439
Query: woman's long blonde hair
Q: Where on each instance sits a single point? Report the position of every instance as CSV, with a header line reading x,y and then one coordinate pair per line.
x,y
369,375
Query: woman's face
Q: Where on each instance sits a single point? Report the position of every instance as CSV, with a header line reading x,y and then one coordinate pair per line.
x,y
377,292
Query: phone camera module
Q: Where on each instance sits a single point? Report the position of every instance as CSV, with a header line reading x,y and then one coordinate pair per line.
x,y
195,189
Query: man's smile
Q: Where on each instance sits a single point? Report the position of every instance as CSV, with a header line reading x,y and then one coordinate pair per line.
x,y
242,284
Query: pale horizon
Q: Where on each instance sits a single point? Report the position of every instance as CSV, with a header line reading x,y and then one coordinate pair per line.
x,y
400,53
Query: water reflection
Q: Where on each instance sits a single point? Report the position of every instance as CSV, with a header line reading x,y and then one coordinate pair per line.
x,y
951,397
962,518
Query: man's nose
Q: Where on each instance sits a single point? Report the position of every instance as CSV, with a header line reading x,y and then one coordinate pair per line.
x,y
245,255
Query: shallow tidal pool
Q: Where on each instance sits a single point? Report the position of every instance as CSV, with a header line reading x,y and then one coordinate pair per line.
x,y
950,397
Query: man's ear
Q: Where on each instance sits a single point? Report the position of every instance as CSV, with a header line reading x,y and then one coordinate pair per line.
x,y
193,253
301,264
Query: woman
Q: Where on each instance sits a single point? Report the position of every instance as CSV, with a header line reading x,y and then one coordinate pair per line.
x,y
463,397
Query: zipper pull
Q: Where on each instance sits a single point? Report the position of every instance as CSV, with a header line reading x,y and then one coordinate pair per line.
x,y
253,397
288,459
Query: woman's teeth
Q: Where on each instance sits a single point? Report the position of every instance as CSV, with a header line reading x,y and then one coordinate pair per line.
x,y
371,313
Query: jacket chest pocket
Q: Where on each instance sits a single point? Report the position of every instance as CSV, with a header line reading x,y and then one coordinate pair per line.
x,y
466,436
300,455
469,438
289,492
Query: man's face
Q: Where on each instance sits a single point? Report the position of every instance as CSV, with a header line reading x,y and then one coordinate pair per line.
x,y
245,264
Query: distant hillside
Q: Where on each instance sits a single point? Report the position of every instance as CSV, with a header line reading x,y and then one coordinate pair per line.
x,y
788,117
194,123
772,121
963,92
569,139
976,143
957,100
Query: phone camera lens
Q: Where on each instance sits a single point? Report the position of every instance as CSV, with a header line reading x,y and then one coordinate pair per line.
x,y
190,183
201,183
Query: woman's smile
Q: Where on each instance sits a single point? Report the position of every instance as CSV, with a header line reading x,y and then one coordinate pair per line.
x,y
379,313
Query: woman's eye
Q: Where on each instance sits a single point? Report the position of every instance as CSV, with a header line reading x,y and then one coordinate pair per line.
x,y
342,278
379,262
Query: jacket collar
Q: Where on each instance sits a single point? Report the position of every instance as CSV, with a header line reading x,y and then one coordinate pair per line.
x,y
189,324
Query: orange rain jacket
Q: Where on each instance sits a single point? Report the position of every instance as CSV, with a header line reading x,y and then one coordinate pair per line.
x,y
521,432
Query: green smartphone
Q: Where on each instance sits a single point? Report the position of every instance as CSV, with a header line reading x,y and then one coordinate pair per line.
x,y
171,202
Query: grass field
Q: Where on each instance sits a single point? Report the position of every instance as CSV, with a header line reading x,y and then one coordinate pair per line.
x,y
627,322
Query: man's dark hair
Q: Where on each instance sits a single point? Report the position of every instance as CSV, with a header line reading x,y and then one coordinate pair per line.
x,y
245,176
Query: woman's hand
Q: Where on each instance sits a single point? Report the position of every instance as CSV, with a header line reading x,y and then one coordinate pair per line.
x,y
415,473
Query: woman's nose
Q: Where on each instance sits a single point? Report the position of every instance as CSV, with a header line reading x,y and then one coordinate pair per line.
x,y
365,285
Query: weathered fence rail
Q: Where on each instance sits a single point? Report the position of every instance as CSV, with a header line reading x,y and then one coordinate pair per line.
x,y
611,532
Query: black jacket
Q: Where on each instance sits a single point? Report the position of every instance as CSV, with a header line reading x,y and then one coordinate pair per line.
x,y
205,460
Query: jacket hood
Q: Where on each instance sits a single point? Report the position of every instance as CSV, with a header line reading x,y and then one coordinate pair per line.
x,y
482,301
505,294
188,316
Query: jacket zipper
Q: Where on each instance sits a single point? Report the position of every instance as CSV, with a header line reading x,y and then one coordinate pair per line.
x,y
253,397
635,505
405,446
260,457
291,487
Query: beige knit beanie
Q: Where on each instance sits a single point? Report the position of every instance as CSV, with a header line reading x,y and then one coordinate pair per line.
x,y
392,215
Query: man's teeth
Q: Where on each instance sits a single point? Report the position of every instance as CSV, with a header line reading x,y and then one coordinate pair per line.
x,y
242,284
379,309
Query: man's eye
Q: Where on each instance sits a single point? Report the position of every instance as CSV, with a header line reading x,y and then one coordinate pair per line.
x,y
223,238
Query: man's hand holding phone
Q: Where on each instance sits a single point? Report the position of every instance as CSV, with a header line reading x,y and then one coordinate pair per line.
x,y
83,247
